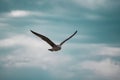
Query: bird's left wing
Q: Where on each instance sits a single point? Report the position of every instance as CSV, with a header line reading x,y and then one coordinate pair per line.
x,y
44,38
68,38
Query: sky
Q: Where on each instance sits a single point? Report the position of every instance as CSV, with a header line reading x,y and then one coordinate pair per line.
x,y
92,54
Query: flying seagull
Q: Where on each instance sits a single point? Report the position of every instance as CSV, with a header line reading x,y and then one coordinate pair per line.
x,y
52,44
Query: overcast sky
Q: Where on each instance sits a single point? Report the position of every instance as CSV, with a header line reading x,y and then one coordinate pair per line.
x,y
92,54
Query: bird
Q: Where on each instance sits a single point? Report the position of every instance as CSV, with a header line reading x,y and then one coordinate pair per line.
x,y
54,46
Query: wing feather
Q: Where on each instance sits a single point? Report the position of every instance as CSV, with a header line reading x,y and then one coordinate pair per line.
x,y
68,38
44,38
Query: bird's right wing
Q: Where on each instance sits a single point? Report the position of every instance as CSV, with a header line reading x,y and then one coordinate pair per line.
x,y
44,38
68,38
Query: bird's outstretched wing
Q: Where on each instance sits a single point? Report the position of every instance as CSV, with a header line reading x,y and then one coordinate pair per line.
x,y
68,38
44,38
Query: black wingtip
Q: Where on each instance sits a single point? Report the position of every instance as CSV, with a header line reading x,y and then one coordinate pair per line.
x,y
34,32
31,30
76,31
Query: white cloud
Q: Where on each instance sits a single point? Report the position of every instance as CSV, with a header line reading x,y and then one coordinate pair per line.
x,y
109,51
99,49
19,13
32,53
106,68
24,13
20,40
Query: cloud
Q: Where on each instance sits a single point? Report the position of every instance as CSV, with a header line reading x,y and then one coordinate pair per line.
x,y
3,25
18,40
20,51
99,49
23,13
18,13
106,68
31,52
107,6
92,16
109,51
92,49
91,4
